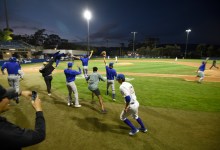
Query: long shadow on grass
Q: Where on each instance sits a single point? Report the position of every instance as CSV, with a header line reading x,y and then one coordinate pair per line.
x,y
94,124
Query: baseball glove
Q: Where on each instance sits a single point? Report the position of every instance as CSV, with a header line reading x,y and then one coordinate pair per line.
x,y
103,53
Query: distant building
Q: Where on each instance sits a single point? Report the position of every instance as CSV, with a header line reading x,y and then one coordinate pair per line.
x,y
17,49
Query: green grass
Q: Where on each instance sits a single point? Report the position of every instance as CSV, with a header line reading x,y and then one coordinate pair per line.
x,y
192,124
142,67
159,68
151,91
154,91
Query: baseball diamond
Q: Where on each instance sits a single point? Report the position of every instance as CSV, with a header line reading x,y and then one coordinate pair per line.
x,y
178,112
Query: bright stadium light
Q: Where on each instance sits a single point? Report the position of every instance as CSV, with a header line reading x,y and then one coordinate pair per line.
x,y
187,35
133,41
87,16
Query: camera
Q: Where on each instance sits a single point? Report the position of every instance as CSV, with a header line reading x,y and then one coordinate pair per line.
x,y
34,95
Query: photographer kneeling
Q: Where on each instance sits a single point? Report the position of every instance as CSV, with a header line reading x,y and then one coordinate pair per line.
x,y
14,137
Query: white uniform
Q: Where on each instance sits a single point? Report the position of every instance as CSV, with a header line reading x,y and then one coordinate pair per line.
x,y
127,89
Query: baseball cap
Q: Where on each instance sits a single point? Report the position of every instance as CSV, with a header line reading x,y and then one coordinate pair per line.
x,y
10,93
120,77
12,59
70,64
111,64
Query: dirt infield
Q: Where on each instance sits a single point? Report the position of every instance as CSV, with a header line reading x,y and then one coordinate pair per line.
x,y
210,75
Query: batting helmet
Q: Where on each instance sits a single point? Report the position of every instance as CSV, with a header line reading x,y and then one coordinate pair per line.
x,y
120,77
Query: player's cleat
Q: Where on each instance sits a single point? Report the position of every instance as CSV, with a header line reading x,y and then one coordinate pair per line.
x,y
114,100
143,130
104,111
133,132
16,100
77,106
68,104
49,94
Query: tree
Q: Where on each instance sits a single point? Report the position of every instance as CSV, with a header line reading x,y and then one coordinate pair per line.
x,y
52,41
200,51
6,35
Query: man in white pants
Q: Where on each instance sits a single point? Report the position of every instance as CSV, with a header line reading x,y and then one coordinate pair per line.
x,y
201,70
13,77
70,78
131,105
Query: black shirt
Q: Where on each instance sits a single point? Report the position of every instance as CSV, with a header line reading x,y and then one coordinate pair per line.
x,y
13,137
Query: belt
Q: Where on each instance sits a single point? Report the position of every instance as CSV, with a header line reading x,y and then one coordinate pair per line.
x,y
131,103
13,74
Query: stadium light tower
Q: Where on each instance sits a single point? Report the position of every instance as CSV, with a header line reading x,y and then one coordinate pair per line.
x,y
133,40
187,36
87,16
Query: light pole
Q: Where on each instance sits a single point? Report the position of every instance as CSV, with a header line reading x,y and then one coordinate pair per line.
x,y
187,35
87,16
133,41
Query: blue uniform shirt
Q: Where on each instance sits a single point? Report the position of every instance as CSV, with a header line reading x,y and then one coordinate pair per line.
x,y
111,73
85,61
202,67
12,67
71,74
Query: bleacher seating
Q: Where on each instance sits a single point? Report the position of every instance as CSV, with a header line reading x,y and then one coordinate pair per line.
x,y
14,45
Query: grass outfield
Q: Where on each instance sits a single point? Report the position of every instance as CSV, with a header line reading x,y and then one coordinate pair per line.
x,y
177,113
154,91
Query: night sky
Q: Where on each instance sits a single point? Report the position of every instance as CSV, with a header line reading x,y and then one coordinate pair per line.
x,y
113,20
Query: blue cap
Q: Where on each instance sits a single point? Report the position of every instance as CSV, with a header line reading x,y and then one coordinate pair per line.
x,y
12,59
120,77
70,64
111,64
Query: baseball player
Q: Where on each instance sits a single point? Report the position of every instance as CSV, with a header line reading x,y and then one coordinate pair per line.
x,y
116,59
46,71
93,81
111,75
85,61
13,77
213,64
201,70
131,105
20,71
58,57
70,78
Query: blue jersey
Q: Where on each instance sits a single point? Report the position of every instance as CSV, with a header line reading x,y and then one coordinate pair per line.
x,y
202,67
111,73
71,74
12,67
85,61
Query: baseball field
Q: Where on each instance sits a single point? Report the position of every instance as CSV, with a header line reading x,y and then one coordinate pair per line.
x,y
180,113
